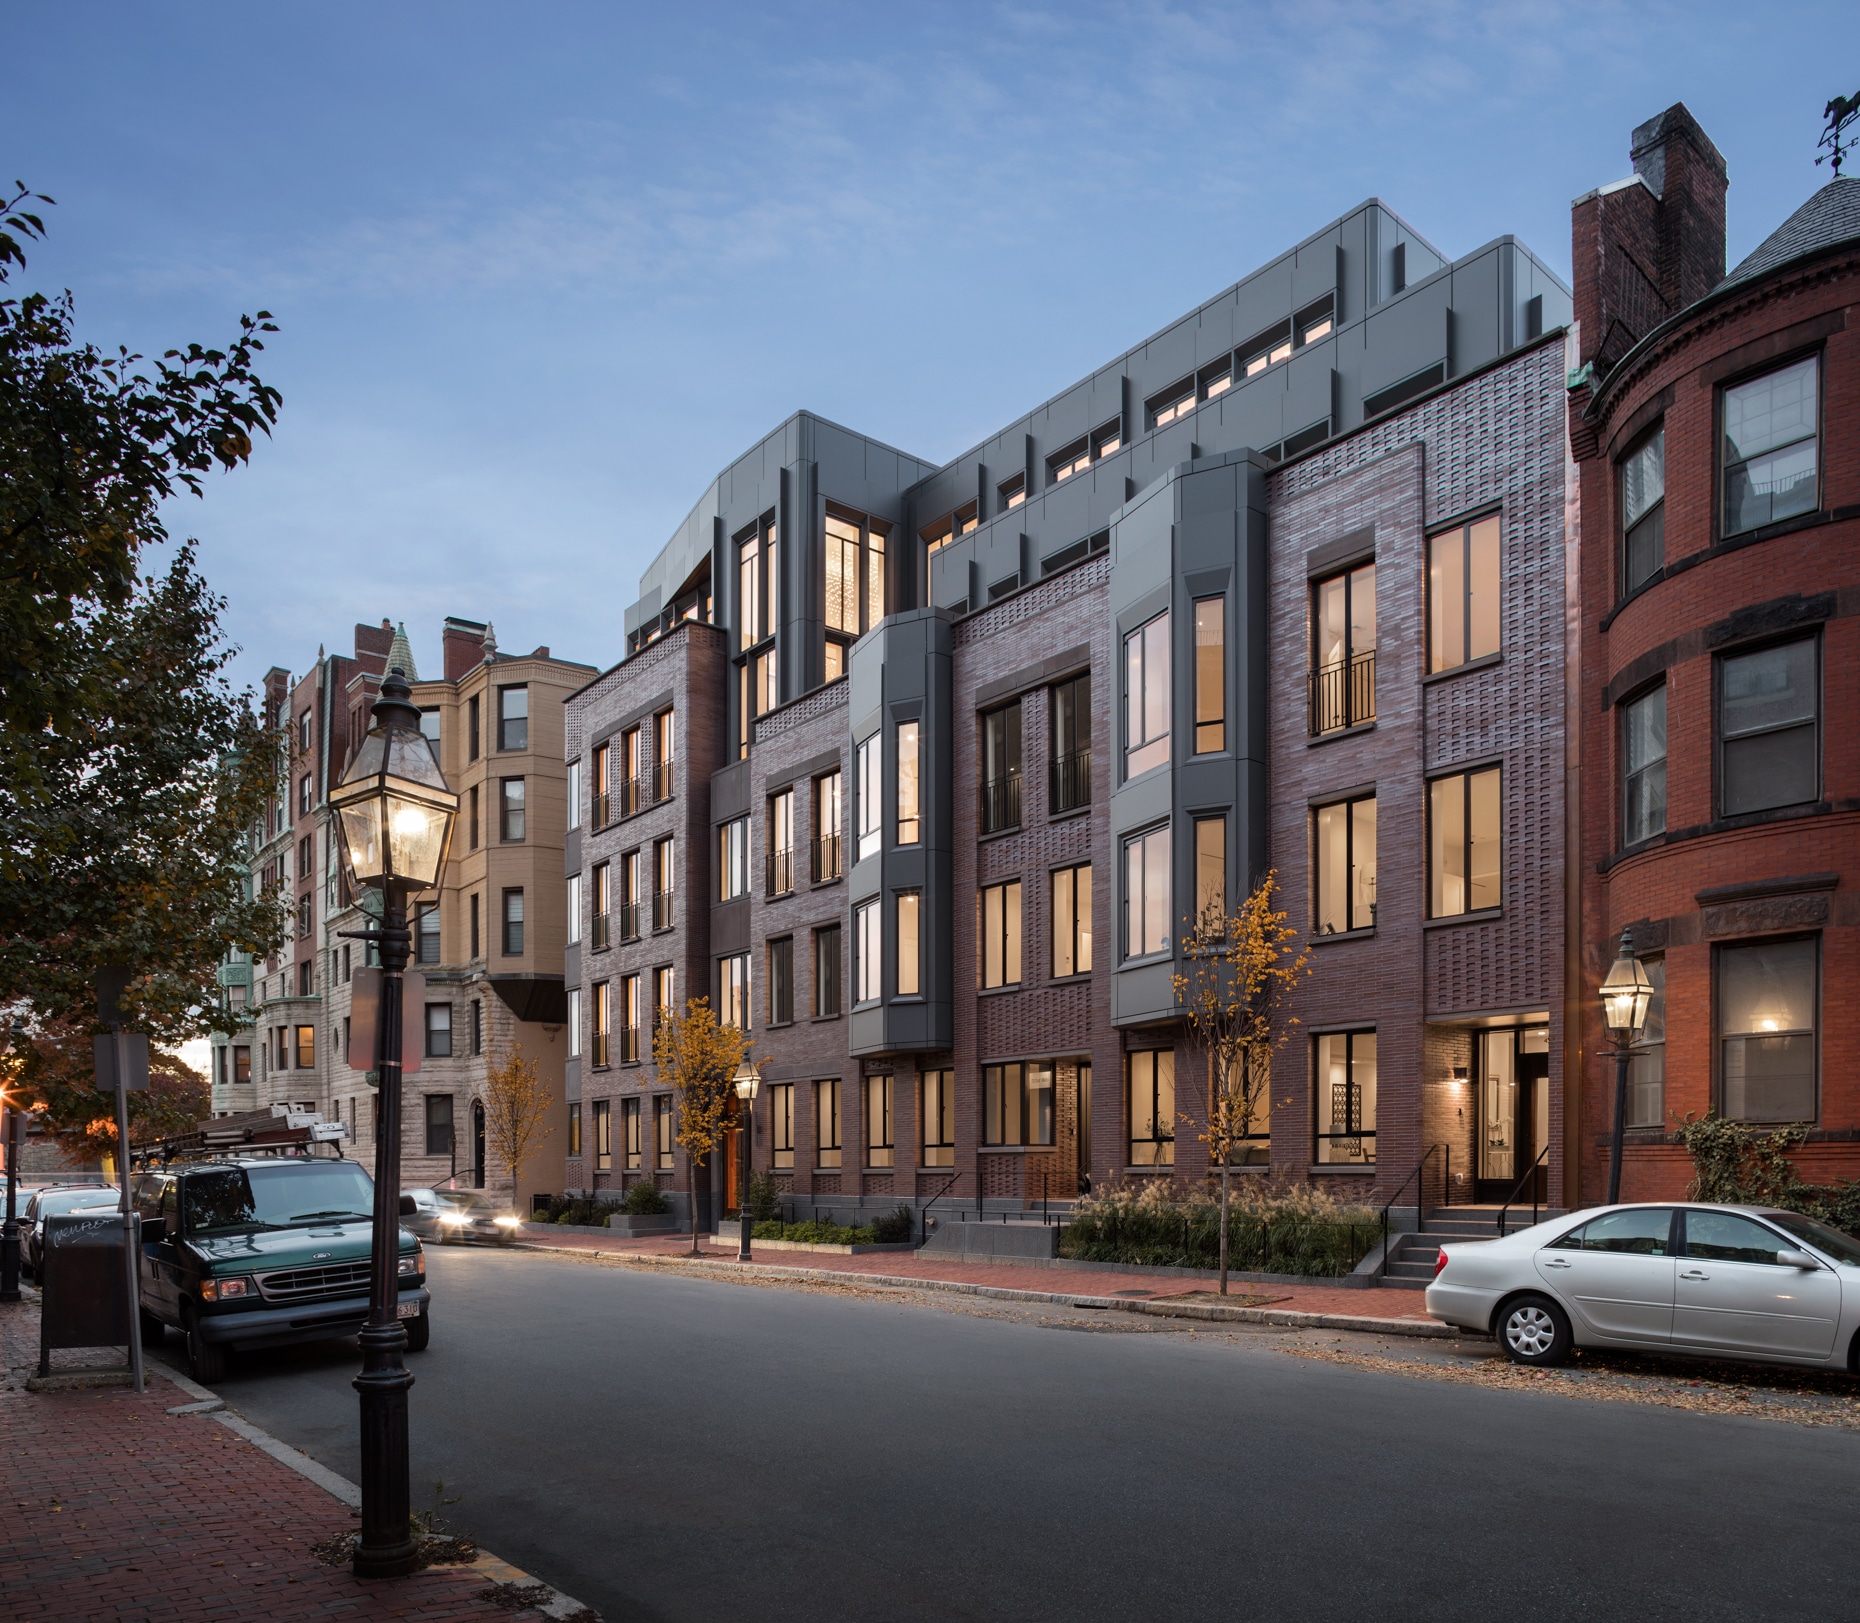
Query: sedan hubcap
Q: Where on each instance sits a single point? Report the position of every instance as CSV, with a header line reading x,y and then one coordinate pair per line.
x,y
1530,1331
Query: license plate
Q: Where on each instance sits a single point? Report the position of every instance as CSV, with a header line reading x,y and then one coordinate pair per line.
x,y
406,1310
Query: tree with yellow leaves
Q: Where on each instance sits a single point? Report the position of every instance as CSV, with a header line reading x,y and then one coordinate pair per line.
x,y
1237,979
516,1113
698,1055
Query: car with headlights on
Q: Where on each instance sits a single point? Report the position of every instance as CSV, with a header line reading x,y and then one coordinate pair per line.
x,y
1744,1282
458,1216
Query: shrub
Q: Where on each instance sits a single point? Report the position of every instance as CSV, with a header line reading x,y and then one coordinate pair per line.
x,y
896,1226
823,1231
1273,1227
764,1198
583,1212
643,1199
1732,1166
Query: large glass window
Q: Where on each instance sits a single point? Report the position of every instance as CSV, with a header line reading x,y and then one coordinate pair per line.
x,y
1210,675
1001,768
733,991
1462,593
1211,874
1465,846
1146,893
513,718
1768,733
827,1123
1146,696
758,582
1643,766
867,952
871,808
781,1124
878,1145
1770,451
511,809
781,843
1643,511
1069,738
827,811
733,858
1072,921
998,919
1151,1086
1343,654
1346,1098
1017,1104
1647,1056
827,971
939,1118
1766,1030
855,582
910,796
1346,866
910,944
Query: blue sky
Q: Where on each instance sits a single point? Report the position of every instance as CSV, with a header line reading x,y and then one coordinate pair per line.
x,y
542,270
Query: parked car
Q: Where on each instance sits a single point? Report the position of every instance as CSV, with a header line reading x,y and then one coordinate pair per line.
x,y
58,1199
1722,1281
263,1251
454,1215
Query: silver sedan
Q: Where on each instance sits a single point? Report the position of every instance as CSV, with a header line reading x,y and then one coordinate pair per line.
x,y
1723,1281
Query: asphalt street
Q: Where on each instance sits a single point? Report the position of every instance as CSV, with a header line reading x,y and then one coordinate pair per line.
x,y
664,1447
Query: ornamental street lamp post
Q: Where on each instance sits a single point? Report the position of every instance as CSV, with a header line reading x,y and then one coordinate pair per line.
x,y
395,812
747,1079
1626,994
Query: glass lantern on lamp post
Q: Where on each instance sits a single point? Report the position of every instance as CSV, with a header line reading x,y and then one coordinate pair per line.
x,y
1626,995
395,813
747,1080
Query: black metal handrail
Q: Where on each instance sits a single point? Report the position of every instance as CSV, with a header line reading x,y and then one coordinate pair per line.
x,y
599,931
1343,693
781,872
827,861
1001,803
629,921
629,796
661,910
924,1215
601,809
1420,1198
1530,1176
629,1045
1068,785
660,784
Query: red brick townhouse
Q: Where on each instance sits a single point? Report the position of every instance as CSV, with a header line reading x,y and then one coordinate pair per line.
x,y
1715,421
917,770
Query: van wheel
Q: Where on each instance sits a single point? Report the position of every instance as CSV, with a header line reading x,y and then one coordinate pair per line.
x,y
153,1330
1534,1331
419,1331
206,1361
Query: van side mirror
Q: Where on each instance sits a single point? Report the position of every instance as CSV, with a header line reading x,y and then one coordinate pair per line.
x,y
408,1206
1795,1259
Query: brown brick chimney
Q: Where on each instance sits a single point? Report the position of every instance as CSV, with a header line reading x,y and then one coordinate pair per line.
x,y
464,646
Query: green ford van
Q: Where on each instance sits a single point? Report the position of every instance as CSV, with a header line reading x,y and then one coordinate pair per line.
x,y
262,1251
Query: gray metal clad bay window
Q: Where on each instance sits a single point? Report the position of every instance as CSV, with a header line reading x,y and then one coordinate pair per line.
x,y
1146,697
1146,893
1647,1056
1211,876
1345,848
866,768
781,843
910,943
1643,511
733,859
868,953
1771,450
513,718
1210,675
1643,766
910,824
1768,728
1766,998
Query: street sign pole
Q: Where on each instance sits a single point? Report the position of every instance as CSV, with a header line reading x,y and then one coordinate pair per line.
x,y
129,1221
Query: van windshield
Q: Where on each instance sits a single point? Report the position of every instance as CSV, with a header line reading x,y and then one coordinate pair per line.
x,y
283,1196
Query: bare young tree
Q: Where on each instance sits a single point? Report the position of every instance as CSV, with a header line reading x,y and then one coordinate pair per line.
x,y
516,1113
1237,978
698,1054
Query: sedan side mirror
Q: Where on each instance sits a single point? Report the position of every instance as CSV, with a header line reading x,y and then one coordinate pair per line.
x,y
409,1207
1795,1259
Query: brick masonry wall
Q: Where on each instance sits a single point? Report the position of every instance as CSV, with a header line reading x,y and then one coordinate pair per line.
x,y
1674,626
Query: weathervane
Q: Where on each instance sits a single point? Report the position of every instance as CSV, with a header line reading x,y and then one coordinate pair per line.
x,y
1840,112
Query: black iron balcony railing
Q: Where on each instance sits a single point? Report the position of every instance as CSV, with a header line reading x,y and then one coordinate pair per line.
x,y
1001,803
660,774
602,809
629,921
1069,781
629,796
661,910
629,1045
599,1045
599,932
1343,694
781,872
828,860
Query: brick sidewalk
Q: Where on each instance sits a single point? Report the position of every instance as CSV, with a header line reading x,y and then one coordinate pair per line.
x,y
114,1509
1159,1284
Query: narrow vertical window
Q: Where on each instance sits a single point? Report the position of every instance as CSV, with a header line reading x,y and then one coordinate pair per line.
x,y
1768,728
1771,452
1465,845
603,1135
1346,1098
599,814
733,859
781,981
572,909
749,589
477,1026
910,944
1151,1107
513,924
1001,768
574,1022
630,1147
471,727
1345,852
909,791
781,843
663,755
472,817
781,1125
998,917
1069,738
827,971
662,1139
1071,915
878,1145
1210,675
867,953
1211,874
629,1019
1647,1056
1463,593
574,1130
871,810
1643,512
662,876
573,787
511,802
827,1123
513,718
1146,697
1343,653
631,923
1643,766
733,991
602,1023
1146,893
938,1116
827,813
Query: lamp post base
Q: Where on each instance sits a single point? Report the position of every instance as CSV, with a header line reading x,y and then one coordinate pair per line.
x,y
387,1548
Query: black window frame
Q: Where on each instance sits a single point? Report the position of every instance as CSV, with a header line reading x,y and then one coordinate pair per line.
x,y
781,980
829,972
506,722
433,1034
512,813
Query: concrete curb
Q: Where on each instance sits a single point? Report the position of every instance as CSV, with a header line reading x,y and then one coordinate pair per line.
x,y
1287,1317
553,1602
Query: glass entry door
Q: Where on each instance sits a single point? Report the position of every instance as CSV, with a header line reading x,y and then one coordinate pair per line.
x,y
1512,1123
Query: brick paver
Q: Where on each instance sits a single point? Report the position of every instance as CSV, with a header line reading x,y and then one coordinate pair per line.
x,y
113,1509
1155,1283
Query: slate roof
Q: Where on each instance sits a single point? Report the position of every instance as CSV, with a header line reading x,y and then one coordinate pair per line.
x,y
1832,215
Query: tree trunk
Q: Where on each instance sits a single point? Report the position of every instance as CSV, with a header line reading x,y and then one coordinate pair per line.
x,y
700,1197
1226,1173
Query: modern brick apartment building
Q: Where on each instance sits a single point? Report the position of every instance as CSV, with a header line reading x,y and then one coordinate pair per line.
x,y
917,772
1716,422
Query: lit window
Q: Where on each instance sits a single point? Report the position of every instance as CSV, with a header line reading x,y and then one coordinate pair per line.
x,y
909,794
1072,921
733,859
1766,999
1151,1084
878,1143
1107,439
998,917
1647,1056
1465,850
1643,766
910,944
1211,874
1001,768
1075,458
827,1123
1343,658
1345,1088
1345,849
855,572
1210,675
867,953
939,1118
1146,696
1178,400
1012,492
1218,378
1770,454
733,991
871,810
1462,593
1146,893
1017,1104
